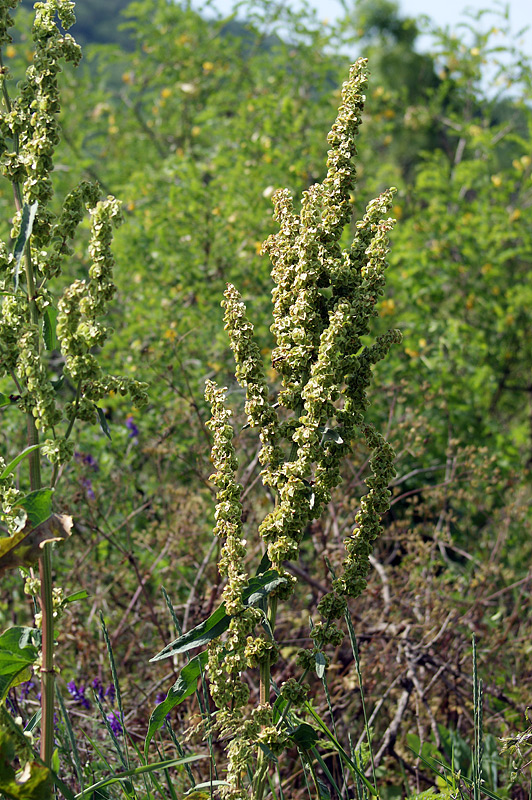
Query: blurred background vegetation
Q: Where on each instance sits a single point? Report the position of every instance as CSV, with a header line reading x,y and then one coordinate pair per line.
x,y
193,120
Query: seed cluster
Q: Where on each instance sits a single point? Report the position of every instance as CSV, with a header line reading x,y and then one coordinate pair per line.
x,y
31,324
323,303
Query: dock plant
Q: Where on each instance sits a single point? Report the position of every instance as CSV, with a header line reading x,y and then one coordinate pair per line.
x,y
51,331
324,300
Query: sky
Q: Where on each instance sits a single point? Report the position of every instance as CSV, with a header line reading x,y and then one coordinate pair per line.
x,y
442,12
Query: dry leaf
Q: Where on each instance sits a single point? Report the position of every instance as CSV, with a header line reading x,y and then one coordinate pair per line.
x,y
24,547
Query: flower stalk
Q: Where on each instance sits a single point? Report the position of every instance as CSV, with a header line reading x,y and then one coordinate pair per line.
x,y
323,302
35,322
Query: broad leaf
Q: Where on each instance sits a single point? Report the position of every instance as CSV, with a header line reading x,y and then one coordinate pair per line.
x,y
304,736
199,636
37,505
258,588
184,686
17,654
261,586
5,400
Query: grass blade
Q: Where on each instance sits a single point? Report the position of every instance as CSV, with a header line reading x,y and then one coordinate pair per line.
x,y
116,685
71,739
129,773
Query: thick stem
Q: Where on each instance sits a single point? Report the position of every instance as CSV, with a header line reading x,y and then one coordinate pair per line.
x,y
47,672
259,784
264,698
45,561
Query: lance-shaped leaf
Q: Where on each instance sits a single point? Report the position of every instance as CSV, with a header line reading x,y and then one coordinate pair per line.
x,y
184,686
26,227
320,664
257,588
24,547
340,750
48,328
92,791
102,419
16,461
17,654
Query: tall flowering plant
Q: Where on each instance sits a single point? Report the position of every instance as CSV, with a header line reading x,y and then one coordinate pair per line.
x,y
323,303
48,339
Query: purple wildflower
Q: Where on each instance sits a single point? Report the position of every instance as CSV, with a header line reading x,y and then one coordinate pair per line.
x,y
78,694
160,698
114,723
87,459
87,485
98,688
91,462
133,430
110,693
25,689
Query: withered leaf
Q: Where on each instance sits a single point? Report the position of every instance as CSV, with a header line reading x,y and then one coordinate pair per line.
x,y
24,547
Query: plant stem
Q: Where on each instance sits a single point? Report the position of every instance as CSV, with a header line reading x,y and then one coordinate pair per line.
x,y
264,689
47,671
45,561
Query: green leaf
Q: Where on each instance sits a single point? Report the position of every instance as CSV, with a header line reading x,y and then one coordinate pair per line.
x,y
264,565
103,422
16,461
261,586
339,749
56,385
48,328
26,226
147,768
5,400
185,685
37,505
268,753
17,653
304,736
197,793
330,434
201,635
321,663
73,598
258,588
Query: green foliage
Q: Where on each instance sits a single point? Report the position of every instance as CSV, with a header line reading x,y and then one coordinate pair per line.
x,y
195,121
